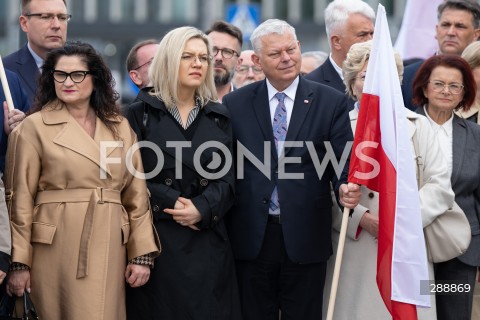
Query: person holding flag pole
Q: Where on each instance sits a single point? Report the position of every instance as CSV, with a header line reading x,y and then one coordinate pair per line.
x,y
385,231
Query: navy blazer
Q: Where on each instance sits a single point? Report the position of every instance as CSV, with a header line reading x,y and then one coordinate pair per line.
x,y
327,75
20,102
466,179
22,63
409,74
319,115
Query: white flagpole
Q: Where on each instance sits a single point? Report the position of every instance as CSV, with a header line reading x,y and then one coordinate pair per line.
x,y
338,264
6,88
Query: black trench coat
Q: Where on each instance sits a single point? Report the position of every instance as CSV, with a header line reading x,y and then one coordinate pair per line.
x,y
194,277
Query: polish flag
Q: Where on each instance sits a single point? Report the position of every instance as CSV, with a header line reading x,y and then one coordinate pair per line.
x,y
382,160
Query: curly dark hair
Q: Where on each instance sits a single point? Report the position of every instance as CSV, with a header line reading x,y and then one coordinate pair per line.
x,y
450,61
103,98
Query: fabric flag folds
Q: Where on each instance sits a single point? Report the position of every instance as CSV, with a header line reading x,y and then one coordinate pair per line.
x,y
416,38
382,160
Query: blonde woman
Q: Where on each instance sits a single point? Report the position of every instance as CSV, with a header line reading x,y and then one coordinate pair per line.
x,y
471,54
194,277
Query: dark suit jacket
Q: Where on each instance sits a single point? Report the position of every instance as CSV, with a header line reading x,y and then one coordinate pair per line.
x,y
22,63
409,74
319,115
327,75
466,180
20,102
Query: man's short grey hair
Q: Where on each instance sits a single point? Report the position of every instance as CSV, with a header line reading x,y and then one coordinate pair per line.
x,y
318,56
338,11
270,26
470,6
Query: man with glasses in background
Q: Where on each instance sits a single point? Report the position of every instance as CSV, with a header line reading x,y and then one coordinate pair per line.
x,y
247,72
45,24
139,60
227,42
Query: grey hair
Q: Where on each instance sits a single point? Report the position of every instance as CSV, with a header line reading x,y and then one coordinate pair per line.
x,y
270,26
471,54
470,6
338,11
357,57
318,56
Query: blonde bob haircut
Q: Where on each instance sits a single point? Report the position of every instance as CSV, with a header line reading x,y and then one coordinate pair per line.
x,y
472,54
165,66
357,57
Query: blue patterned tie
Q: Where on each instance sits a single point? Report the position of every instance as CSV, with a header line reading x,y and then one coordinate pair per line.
x,y
279,133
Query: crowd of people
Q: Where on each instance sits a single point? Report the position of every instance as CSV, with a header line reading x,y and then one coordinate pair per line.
x,y
200,199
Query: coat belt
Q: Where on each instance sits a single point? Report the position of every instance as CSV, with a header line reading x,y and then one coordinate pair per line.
x,y
93,197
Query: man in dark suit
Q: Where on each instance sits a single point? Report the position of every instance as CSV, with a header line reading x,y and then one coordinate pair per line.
x,y
346,22
458,26
280,226
45,24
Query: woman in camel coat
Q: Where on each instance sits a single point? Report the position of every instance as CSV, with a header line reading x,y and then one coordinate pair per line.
x,y
77,215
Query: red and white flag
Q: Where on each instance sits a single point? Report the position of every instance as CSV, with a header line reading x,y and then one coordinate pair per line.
x,y
382,160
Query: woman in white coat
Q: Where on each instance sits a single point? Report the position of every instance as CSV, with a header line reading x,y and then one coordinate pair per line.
x,y
358,296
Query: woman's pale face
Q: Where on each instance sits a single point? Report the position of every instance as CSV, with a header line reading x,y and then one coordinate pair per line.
x,y
71,93
193,64
358,82
445,100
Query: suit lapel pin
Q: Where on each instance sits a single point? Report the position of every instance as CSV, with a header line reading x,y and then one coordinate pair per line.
x,y
305,101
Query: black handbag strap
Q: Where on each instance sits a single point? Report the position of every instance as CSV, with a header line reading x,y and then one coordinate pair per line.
x,y
29,312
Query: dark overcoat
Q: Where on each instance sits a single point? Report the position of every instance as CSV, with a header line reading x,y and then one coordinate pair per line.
x,y
194,277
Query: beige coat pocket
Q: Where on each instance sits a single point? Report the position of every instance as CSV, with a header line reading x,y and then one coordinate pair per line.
x,y
43,232
125,232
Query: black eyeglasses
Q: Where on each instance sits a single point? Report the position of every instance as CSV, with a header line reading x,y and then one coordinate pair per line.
x,y
149,62
76,76
226,53
49,17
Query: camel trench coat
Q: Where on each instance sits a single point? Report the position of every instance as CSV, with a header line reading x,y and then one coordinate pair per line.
x,y
75,229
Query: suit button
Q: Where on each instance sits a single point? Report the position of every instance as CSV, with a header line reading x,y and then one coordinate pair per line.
x,y
156,208
168,182
215,219
203,182
265,201
371,195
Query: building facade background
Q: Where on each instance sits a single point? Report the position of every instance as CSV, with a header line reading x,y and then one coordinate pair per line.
x,y
114,26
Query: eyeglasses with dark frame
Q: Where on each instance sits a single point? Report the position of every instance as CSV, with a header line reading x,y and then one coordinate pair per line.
x,y
48,17
453,88
243,69
76,76
149,62
226,52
